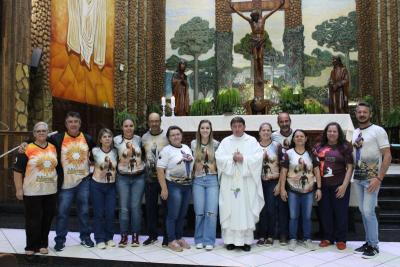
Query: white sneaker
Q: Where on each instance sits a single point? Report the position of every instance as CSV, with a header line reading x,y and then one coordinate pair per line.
x,y
101,245
308,244
209,247
199,245
292,244
111,243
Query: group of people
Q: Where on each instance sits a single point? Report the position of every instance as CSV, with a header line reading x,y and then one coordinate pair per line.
x,y
273,182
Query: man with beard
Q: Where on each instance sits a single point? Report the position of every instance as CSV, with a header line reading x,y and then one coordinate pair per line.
x,y
372,157
338,87
283,137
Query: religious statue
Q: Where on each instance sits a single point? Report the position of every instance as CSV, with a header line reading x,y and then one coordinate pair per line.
x,y
338,87
257,24
180,90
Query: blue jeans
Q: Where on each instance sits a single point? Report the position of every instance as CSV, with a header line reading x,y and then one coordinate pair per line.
x,y
366,204
103,197
65,199
177,206
300,203
130,192
205,202
274,215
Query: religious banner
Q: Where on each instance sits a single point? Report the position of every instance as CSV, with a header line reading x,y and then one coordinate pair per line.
x,y
82,51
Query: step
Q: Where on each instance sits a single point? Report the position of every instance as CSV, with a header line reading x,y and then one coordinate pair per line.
x,y
389,216
391,179
388,203
392,191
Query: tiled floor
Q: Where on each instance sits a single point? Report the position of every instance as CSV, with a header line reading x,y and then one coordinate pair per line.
x,y
13,241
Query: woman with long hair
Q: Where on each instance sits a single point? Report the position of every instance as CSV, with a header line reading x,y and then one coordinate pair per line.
x,y
299,174
130,182
102,189
205,186
336,166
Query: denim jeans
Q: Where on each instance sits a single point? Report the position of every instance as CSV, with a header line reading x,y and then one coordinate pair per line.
x,y
65,199
366,204
334,214
103,198
152,192
274,215
300,203
177,206
205,202
130,192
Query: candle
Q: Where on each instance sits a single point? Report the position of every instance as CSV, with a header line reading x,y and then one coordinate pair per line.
x,y
172,101
163,101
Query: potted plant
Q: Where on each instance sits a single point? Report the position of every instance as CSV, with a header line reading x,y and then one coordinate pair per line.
x,y
227,100
201,107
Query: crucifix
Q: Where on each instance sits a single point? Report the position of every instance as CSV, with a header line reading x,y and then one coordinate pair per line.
x,y
257,24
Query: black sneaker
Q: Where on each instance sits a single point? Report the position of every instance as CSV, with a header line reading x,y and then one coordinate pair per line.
x,y
370,252
165,242
150,240
246,248
283,241
230,247
59,246
361,249
87,242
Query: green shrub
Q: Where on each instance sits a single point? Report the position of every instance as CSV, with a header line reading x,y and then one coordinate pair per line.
x,y
313,107
121,116
227,100
393,118
201,107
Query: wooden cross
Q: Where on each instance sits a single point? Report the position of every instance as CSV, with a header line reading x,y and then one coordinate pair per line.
x,y
262,5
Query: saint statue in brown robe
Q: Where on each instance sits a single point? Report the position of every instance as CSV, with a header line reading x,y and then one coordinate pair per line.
x,y
180,90
338,87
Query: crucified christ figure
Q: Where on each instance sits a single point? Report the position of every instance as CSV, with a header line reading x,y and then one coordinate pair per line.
x,y
257,24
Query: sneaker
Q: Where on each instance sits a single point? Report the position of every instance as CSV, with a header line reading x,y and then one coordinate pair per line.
x,y
269,242
182,242
59,246
29,252
341,245
199,245
292,244
209,247
308,244
44,251
164,242
370,252
124,241
150,241
101,245
324,243
135,240
283,241
246,248
361,249
87,242
230,247
111,243
261,242
175,246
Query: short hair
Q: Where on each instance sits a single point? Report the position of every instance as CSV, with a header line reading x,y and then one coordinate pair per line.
x,y
73,114
238,120
148,116
364,104
171,128
102,132
284,112
40,123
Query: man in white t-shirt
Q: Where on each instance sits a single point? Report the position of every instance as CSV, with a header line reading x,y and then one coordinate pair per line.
x,y
370,144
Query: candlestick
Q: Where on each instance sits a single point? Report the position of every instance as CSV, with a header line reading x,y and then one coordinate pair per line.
x,y
163,101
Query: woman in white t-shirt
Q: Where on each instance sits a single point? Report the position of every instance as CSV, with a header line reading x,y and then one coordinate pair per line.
x,y
299,174
102,189
174,168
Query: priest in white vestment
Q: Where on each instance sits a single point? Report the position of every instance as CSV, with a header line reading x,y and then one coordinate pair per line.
x,y
239,160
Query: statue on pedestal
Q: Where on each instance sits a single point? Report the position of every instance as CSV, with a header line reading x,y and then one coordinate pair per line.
x,y
338,87
180,90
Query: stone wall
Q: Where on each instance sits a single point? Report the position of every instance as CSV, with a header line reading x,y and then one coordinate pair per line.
x,y
21,97
293,14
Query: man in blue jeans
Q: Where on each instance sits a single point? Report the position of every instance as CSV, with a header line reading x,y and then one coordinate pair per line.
x,y
370,145
73,149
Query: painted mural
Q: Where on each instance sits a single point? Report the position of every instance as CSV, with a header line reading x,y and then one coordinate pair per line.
x,y
329,29
82,54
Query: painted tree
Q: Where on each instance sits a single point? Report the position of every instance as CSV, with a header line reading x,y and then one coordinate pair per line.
x,y
194,38
245,48
273,58
339,34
